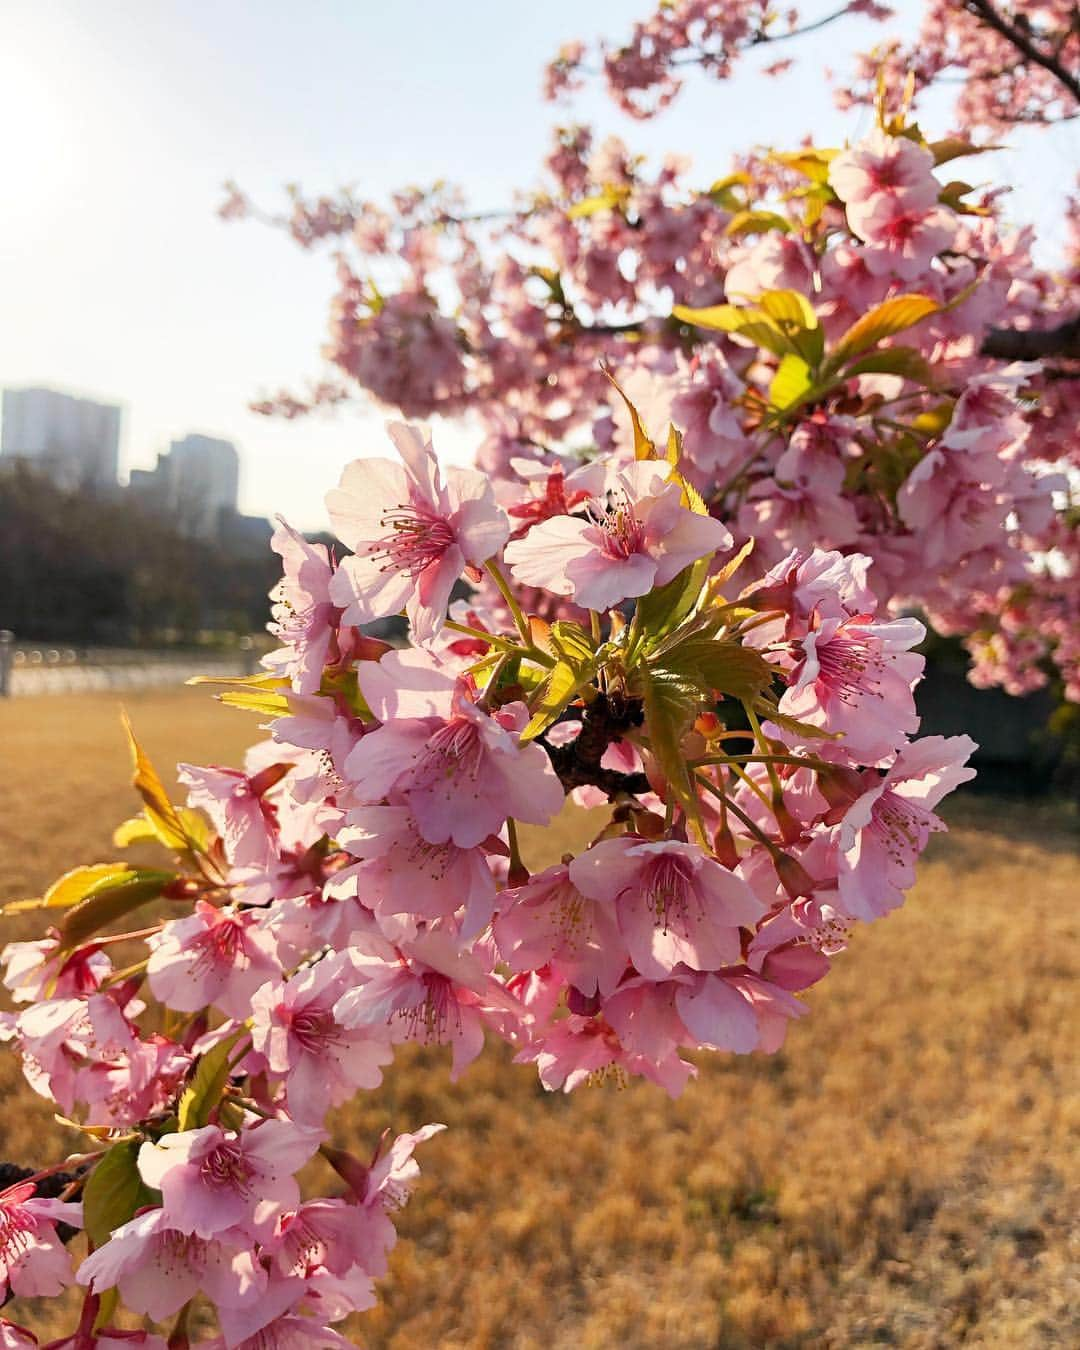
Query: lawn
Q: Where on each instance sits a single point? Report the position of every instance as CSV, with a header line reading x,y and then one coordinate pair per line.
x,y
903,1173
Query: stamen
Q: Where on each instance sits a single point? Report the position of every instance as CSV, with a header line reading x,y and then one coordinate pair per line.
x,y
416,537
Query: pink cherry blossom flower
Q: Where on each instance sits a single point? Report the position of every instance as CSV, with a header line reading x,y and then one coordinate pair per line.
x,y
387,1188
880,166
109,1338
412,534
673,904
579,1050
856,677
805,586
285,1333
548,920
637,537
433,993
157,1268
33,1260
238,807
30,969
321,1061
885,830
215,957
304,616
212,1180
142,1083
63,1040
902,243
461,776
404,874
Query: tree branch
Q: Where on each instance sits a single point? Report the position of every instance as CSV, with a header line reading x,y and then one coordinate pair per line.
x,y
1024,43
1034,344
578,762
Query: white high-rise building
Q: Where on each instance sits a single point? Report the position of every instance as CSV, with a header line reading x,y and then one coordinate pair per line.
x,y
75,441
195,484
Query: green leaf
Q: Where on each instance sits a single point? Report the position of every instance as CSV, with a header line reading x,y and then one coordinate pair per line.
x,y
263,694
811,163
607,199
903,361
884,321
114,1191
574,667
74,886
788,308
558,688
138,829
665,608
165,820
797,728
756,222
752,324
643,445
671,704
791,383
207,1083
954,147
109,903
723,194
720,666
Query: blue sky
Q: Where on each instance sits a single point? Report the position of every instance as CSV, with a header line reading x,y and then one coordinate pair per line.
x,y
121,119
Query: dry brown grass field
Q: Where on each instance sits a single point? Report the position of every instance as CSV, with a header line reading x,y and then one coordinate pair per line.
x,y
904,1173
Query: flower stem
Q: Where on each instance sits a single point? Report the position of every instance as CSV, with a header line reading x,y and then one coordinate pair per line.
x,y
494,571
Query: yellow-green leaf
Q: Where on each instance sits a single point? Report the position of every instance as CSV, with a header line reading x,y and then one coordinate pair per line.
x,y
643,446
607,199
114,1191
664,609
109,903
558,687
795,727
788,308
263,693
756,222
750,323
571,642
138,829
718,579
811,163
791,383
903,361
207,1083
160,812
671,704
74,886
884,321
723,194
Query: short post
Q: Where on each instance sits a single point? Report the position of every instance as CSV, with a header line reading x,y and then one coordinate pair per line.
x,y
248,656
7,658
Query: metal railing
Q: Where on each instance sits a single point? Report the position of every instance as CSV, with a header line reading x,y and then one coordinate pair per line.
x,y
32,669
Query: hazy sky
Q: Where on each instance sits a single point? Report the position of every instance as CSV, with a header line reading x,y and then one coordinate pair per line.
x,y
120,119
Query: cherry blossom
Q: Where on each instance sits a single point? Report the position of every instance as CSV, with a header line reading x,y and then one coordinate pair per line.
x,y
637,536
412,535
213,1180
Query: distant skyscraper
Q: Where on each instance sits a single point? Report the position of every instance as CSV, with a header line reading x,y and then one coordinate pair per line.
x,y
75,441
195,484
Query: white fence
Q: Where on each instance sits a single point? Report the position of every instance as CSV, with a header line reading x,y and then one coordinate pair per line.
x,y
27,670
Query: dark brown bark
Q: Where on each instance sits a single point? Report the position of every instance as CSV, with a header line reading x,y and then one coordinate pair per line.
x,y
1034,344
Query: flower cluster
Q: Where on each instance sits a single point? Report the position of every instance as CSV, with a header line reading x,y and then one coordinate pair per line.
x,y
861,353
360,883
